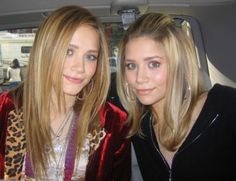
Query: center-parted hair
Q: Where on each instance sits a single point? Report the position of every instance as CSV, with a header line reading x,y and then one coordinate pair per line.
x,y
45,72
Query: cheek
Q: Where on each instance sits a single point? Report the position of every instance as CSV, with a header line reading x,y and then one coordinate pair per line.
x,y
160,76
66,66
91,68
161,81
129,77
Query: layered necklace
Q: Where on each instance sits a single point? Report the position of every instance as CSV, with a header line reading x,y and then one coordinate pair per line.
x,y
60,143
57,138
61,166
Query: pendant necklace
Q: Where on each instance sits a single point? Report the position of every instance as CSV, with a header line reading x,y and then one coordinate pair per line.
x,y
56,137
60,145
58,133
68,154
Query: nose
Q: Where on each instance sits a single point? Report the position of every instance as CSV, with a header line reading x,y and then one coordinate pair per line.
x,y
78,65
141,75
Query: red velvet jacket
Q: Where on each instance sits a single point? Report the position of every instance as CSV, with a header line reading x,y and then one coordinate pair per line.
x,y
111,160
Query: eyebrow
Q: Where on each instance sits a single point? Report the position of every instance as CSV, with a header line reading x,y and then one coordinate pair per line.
x,y
76,47
153,57
146,59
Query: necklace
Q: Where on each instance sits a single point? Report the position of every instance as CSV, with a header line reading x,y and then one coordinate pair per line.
x,y
59,131
56,137
69,155
59,145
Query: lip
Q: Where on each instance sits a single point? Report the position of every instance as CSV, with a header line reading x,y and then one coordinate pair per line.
x,y
143,92
73,79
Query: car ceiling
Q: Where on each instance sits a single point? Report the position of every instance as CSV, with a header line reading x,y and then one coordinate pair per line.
x,y
23,12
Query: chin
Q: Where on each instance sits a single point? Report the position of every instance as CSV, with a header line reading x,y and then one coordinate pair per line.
x,y
71,92
146,102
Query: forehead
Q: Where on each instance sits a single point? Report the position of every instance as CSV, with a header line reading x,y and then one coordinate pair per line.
x,y
85,36
141,47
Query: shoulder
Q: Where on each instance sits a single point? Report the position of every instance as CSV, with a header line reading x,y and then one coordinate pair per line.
x,y
6,105
112,117
110,110
222,97
5,99
223,92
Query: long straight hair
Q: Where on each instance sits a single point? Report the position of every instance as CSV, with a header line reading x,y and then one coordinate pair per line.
x,y
45,76
184,84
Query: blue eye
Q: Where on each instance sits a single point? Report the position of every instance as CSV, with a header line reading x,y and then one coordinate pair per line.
x,y
153,64
130,66
69,52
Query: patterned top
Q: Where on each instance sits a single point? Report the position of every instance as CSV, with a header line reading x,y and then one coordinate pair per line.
x,y
108,156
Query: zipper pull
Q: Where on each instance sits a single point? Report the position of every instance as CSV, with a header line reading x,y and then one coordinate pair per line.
x,y
170,175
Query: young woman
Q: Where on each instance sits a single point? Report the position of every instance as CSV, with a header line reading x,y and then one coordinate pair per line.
x,y
14,73
62,129
180,130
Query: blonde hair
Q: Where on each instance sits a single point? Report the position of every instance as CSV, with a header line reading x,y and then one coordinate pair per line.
x,y
183,83
45,75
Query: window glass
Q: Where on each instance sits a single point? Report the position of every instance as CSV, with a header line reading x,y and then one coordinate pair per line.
x,y
14,44
114,32
26,49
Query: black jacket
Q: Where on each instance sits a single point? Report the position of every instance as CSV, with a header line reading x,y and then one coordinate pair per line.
x,y
207,154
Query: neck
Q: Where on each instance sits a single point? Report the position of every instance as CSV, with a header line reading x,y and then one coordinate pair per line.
x,y
59,116
70,100
67,102
158,108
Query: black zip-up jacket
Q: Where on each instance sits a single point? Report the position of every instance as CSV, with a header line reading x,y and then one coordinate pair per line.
x,y
207,154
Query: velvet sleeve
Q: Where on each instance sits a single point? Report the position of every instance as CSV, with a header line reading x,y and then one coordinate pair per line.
x,y
6,105
112,160
122,155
